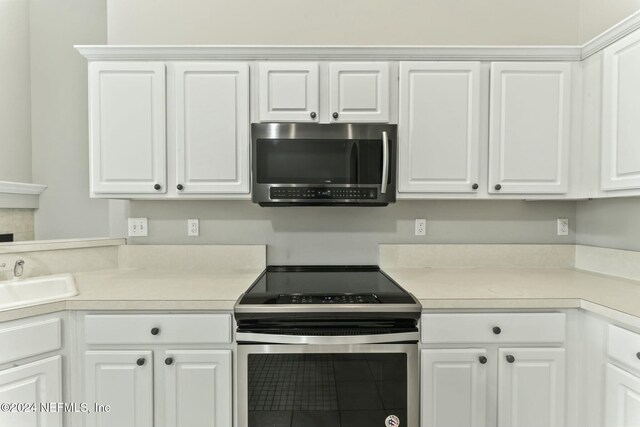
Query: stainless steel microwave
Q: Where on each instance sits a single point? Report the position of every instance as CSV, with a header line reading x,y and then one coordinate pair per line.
x,y
310,164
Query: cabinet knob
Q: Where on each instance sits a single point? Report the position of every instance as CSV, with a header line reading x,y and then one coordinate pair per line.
x,y
638,355
140,361
497,330
155,331
158,187
498,187
475,186
180,187
510,358
482,360
168,361
335,115
313,114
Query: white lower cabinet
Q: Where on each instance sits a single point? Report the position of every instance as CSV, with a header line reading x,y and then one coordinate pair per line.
x,y
531,387
454,388
34,383
622,398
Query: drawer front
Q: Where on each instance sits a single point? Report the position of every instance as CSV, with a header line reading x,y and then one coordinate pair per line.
x,y
157,329
29,339
623,346
493,328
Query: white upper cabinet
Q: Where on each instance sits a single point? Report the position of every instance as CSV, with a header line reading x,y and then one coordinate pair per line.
x,y
288,91
359,92
530,127
127,127
531,387
439,127
212,127
621,115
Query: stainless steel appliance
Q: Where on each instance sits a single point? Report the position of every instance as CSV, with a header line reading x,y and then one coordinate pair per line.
x,y
310,164
334,346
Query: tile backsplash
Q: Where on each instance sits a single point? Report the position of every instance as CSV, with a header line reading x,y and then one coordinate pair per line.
x,y
18,222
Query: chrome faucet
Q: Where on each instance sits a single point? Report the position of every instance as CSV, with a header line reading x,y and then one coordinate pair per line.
x,y
18,269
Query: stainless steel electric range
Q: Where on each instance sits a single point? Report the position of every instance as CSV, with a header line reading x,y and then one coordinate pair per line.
x,y
327,345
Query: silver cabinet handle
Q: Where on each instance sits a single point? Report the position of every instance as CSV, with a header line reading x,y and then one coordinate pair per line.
x,y
385,162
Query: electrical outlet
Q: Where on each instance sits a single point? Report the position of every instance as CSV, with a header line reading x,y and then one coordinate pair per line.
x,y
193,227
138,227
563,226
421,227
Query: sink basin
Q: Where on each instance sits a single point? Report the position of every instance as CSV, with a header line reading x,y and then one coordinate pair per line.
x,y
36,290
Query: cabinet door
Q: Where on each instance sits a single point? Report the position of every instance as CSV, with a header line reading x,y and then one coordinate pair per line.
x,y
531,387
127,127
33,383
529,136
359,92
288,91
454,388
439,126
212,127
198,388
621,109
124,381
622,405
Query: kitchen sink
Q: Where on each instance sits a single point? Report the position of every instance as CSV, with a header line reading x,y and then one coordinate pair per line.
x,y
24,292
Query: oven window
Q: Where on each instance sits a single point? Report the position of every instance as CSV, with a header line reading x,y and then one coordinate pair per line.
x,y
310,161
342,389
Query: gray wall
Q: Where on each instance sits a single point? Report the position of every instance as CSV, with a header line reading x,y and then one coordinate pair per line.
x,y
609,223
15,92
60,118
309,235
598,15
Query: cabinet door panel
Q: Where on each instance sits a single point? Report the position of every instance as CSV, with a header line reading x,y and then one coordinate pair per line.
x,y
212,127
622,406
531,388
359,91
127,127
439,126
530,119
198,388
621,109
454,388
114,378
37,382
288,91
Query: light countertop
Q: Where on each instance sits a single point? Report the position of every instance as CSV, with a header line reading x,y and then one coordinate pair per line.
x,y
436,288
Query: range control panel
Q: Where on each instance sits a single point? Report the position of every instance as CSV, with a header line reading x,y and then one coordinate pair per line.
x,y
328,299
322,193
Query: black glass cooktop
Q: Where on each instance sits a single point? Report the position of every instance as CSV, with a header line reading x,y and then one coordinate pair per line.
x,y
325,285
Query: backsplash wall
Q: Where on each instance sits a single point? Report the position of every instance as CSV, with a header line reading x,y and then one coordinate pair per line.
x,y
314,235
18,222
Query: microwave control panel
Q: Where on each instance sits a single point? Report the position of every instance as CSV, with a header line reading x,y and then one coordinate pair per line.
x,y
341,193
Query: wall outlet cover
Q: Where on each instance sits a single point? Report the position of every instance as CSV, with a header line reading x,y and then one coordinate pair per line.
x,y
138,227
563,226
421,227
193,227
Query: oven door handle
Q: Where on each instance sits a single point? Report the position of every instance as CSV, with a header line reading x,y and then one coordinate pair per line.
x,y
254,337
385,162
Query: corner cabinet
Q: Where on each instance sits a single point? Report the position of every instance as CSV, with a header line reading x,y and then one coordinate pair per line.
x,y
296,92
439,127
202,106
127,127
530,127
620,112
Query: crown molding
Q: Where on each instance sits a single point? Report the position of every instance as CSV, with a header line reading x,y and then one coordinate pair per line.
x,y
612,35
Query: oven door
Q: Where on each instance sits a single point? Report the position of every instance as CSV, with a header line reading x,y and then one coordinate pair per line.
x,y
362,385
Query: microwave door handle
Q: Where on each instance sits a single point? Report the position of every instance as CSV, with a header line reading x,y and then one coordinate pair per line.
x,y
385,163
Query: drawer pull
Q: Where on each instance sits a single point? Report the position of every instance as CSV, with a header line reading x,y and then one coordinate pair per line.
x,y
140,361
168,361
510,358
482,360
155,331
497,330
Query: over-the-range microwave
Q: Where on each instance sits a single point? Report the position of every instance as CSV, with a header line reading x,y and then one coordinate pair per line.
x,y
310,164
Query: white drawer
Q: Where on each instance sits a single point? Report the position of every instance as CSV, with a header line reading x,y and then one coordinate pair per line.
x,y
493,328
624,346
29,339
157,329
